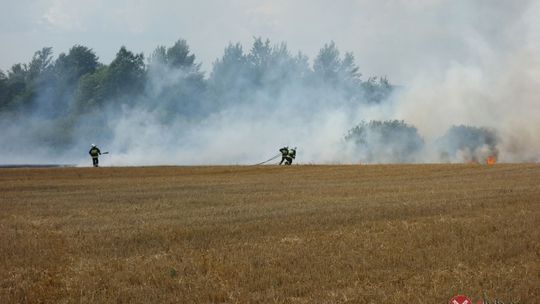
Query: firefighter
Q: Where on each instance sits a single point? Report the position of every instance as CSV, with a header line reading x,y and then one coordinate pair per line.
x,y
94,153
291,154
284,152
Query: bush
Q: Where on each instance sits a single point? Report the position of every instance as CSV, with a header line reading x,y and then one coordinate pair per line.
x,y
390,141
468,144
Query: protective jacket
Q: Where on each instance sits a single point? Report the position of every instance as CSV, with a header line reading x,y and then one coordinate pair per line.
x,y
94,152
292,153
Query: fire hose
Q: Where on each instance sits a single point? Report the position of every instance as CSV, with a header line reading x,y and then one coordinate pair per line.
x,y
264,162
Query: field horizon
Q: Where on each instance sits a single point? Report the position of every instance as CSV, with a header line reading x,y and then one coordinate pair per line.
x,y
419,233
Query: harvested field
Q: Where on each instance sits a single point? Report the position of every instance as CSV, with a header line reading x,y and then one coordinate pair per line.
x,y
269,234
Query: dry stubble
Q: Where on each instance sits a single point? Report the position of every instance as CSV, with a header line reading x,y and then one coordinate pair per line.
x,y
300,234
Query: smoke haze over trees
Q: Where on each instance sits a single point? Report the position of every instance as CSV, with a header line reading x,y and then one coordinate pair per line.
x,y
468,143
386,141
64,104
163,109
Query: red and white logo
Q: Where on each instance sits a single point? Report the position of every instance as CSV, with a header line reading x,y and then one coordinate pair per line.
x,y
460,299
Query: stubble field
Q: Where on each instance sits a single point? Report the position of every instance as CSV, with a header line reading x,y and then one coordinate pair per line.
x,y
269,234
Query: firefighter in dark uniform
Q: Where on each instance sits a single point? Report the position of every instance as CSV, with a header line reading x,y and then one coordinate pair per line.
x,y
290,156
94,153
284,152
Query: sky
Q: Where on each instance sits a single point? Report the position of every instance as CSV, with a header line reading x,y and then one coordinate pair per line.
x,y
398,39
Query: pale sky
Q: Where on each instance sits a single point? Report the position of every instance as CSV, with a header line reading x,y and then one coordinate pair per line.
x,y
393,38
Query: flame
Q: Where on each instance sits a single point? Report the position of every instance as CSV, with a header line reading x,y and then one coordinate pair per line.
x,y
490,160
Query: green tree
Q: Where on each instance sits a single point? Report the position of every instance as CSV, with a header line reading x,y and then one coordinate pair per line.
x,y
278,69
158,56
175,85
178,56
376,89
233,63
348,69
25,80
259,59
391,141
91,93
125,75
3,90
230,77
265,71
327,64
69,69
79,61
259,55
15,86
341,75
42,83
300,67
40,63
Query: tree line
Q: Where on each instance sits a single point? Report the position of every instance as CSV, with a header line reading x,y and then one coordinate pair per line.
x,y
58,99
170,78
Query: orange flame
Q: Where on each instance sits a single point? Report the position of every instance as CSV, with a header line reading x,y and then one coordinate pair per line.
x,y
490,160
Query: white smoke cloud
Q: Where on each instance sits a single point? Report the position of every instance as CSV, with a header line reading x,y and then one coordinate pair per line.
x,y
497,87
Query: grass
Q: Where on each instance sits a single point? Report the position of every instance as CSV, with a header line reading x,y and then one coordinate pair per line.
x,y
269,234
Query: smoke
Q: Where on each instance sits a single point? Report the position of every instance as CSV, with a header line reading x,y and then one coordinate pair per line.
x,y
486,76
470,144
496,88
238,134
